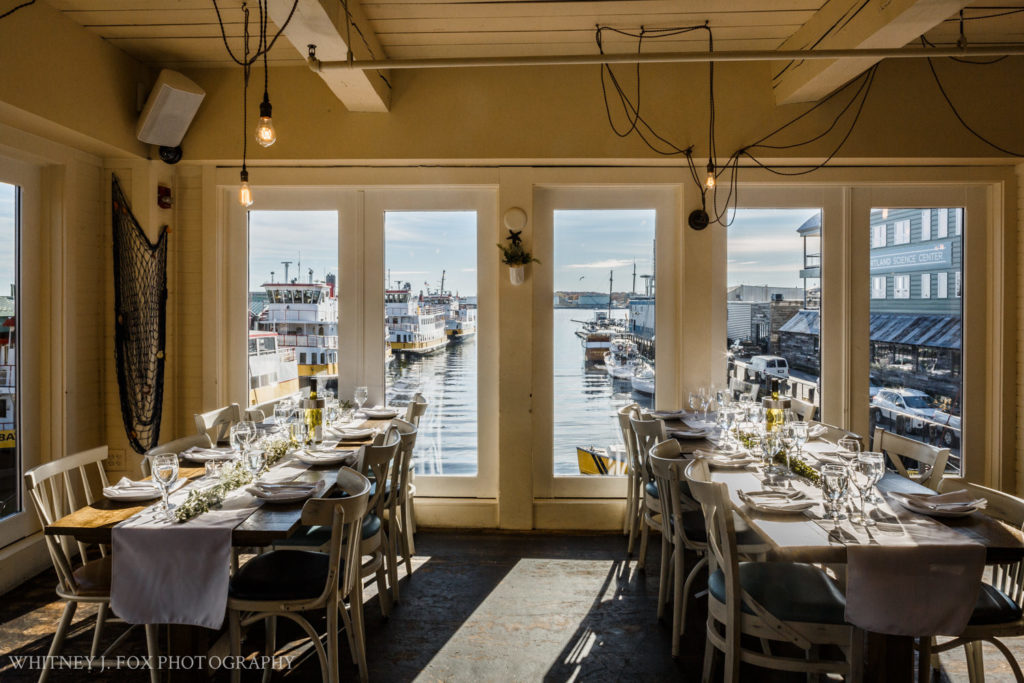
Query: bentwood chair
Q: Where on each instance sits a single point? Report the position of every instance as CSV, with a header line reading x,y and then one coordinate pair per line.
x,y
685,531
57,489
803,409
834,433
217,423
287,583
789,602
931,459
378,459
648,432
997,614
176,446
413,412
634,508
396,496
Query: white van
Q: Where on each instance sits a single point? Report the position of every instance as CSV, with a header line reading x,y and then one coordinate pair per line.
x,y
769,366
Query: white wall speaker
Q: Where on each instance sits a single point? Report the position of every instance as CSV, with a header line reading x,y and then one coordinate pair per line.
x,y
169,109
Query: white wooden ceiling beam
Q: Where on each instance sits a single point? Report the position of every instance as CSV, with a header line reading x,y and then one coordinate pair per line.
x,y
852,24
322,23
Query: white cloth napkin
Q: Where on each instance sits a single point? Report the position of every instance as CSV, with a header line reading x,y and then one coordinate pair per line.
x,y
669,414
203,454
925,586
287,491
716,453
779,501
954,501
343,434
815,431
126,485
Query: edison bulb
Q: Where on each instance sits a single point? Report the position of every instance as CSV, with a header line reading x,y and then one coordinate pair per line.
x,y
709,181
244,191
265,133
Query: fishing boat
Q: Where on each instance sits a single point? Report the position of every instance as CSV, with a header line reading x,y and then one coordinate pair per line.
x,y
595,346
621,358
643,378
414,327
593,460
304,316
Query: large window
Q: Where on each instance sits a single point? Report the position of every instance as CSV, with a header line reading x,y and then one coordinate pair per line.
x,y
293,302
774,301
10,474
603,326
916,338
430,318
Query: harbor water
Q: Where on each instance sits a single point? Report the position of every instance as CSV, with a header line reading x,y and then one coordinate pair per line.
x,y
586,398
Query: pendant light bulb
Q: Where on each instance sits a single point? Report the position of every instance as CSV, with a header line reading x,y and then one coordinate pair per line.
x,y
265,133
244,191
709,182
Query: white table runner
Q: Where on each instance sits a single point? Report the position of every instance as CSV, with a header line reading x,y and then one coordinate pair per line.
x,y
177,573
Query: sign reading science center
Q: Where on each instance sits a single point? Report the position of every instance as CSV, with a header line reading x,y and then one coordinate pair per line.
x,y
927,256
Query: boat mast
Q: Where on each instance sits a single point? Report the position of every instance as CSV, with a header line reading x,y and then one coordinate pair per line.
x,y
286,264
634,277
442,282
611,279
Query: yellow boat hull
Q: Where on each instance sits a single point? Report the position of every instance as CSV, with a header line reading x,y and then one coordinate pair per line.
x,y
598,461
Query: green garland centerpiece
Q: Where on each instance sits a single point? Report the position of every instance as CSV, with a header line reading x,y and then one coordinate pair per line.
x,y
798,466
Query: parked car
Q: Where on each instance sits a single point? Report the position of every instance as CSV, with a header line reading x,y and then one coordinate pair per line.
x,y
910,410
769,366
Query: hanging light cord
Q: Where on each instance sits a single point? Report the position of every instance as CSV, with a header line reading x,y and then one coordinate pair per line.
x,y
264,45
263,40
246,66
16,8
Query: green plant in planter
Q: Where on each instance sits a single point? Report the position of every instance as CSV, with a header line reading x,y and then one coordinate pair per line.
x,y
514,254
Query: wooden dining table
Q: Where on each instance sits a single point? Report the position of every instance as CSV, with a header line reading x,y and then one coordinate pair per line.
x,y
798,538
267,524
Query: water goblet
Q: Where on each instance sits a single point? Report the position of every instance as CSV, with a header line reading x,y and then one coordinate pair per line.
x,y
788,439
799,436
770,447
835,480
694,401
255,459
870,468
360,396
705,402
299,432
237,436
164,468
248,433
282,414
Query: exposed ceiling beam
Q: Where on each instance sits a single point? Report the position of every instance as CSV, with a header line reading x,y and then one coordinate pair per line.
x,y
322,23
852,24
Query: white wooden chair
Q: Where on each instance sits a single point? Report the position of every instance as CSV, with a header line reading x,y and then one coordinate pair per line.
x,y
398,536
57,489
378,459
287,583
176,446
803,409
833,434
648,432
415,409
756,599
931,459
634,509
413,412
997,613
217,423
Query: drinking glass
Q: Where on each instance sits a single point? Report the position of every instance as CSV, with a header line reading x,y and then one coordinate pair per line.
x,y
849,447
255,459
835,480
331,412
237,437
694,401
770,447
282,414
360,396
788,441
799,436
722,420
299,432
164,468
247,432
705,402
870,467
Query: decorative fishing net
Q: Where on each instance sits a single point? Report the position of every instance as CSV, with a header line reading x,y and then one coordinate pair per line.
x,y
140,306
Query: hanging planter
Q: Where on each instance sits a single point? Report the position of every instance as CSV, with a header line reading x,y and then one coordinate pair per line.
x,y
516,257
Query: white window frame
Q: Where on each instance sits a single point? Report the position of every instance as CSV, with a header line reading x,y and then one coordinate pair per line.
x,y
901,232
900,286
942,285
879,235
958,221
926,224
958,285
878,286
926,285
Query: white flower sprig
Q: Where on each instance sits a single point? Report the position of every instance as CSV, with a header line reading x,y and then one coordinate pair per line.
x,y
202,500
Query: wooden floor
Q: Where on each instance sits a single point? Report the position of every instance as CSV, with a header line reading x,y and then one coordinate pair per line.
x,y
478,607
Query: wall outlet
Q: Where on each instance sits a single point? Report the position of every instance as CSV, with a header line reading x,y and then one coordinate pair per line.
x,y
115,459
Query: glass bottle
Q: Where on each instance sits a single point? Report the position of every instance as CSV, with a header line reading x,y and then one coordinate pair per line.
x,y
314,413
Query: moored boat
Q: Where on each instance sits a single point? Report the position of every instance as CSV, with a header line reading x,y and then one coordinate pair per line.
x,y
461,323
304,316
621,358
596,345
273,372
643,378
593,460
414,327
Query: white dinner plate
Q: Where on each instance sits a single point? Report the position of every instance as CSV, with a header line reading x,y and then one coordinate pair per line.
x,y
688,434
725,462
923,510
776,502
287,492
135,495
333,457
351,434
380,413
207,454
670,414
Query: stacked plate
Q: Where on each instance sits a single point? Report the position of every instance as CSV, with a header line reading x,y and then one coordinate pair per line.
x,y
952,504
288,492
197,454
326,456
726,459
128,491
777,502
380,413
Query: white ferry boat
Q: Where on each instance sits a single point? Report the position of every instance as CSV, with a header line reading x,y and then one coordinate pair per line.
x,y
461,323
305,318
273,372
414,327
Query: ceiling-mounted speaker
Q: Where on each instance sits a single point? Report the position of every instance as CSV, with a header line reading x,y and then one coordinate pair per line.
x,y
169,110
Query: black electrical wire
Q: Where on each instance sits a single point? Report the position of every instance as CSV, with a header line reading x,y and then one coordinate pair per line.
x,y
16,8
264,46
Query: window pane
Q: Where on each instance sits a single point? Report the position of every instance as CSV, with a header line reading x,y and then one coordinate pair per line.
x,y
603,333
293,304
430,312
916,337
10,468
774,301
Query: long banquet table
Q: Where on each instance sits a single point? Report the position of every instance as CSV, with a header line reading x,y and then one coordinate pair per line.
x,y
799,538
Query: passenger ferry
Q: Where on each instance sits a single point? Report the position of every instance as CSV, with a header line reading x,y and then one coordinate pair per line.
x,y
273,372
414,327
305,318
461,322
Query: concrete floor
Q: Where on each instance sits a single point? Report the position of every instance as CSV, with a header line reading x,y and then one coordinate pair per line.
x,y
478,607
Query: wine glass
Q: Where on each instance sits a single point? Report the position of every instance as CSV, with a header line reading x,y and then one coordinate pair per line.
x,y
835,480
869,468
254,459
247,433
164,469
799,436
282,414
237,437
849,447
705,402
788,438
360,396
694,401
299,432
770,447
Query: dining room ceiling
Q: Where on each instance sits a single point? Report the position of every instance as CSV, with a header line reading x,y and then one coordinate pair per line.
x,y
186,33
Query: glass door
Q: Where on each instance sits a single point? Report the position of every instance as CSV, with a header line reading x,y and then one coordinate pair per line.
x,y
602,295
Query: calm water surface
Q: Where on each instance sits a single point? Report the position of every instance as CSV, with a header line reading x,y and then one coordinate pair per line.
x,y
586,400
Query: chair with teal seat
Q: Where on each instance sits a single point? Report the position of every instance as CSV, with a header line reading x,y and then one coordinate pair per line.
x,y
378,461
395,499
648,432
785,602
286,583
634,508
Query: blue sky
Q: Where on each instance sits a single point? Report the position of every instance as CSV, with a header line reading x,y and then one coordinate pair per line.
x,y
764,248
